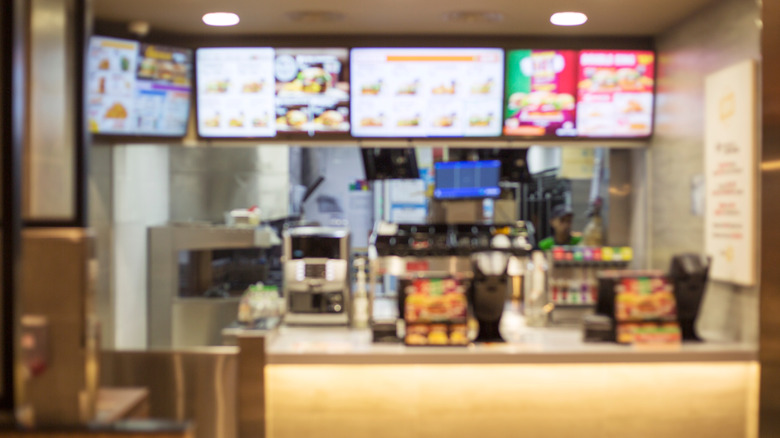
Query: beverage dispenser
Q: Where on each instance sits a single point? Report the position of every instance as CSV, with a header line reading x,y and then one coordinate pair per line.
x,y
316,276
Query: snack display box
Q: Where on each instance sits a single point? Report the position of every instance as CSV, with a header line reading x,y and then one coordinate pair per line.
x,y
435,311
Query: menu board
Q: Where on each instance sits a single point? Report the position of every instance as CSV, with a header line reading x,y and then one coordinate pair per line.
x,y
541,86
312,90
137,89
615,93
236,90
426,92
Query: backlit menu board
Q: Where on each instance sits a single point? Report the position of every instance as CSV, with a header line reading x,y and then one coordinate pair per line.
x,y
312,90
615,93
426,92
137,89
541,89
236,90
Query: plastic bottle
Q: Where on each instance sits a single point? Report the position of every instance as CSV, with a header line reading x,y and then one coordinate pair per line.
x,y
360,315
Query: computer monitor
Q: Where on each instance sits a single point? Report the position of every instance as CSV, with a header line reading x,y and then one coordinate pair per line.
x,y
514,164
390,163
467,179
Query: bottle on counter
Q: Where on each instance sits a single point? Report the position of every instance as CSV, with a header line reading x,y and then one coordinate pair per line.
x,y
360,307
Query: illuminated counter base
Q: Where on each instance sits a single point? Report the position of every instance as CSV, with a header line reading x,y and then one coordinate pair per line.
x,y
350,388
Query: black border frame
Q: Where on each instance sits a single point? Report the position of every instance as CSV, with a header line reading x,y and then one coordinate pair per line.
x,y
14,98
349,41
142,138
82,28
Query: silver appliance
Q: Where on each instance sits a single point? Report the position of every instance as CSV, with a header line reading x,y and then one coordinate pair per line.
x,y
316,276
184,260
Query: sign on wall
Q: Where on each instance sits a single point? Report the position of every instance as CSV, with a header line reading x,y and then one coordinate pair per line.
x,y
730,170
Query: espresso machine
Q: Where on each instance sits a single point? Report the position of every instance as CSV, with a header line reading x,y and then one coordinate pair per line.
x,y
316,276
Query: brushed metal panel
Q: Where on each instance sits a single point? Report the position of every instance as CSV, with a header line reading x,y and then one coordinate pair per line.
x,y
199,321
769,417
57,280
251,391
164,246
197,385
620,205
51,150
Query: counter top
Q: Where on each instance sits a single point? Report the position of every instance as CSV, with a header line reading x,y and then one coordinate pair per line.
x,y
341,345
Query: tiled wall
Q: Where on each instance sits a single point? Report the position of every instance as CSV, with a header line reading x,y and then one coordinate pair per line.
x,y
721,34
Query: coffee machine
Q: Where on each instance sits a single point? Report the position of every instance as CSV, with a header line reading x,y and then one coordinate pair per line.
x,y
316,276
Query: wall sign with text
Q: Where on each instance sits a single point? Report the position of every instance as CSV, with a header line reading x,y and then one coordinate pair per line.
x,y
730,172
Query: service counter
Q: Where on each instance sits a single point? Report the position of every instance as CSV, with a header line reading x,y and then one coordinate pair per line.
x,y
525,345
547,382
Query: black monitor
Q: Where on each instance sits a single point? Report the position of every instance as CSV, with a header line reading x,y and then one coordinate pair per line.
x,y
514,166
390,163
467,179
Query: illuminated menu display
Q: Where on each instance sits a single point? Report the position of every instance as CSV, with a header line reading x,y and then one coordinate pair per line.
x,y
137,89
541,86
615,93
236,90
312,90
426,92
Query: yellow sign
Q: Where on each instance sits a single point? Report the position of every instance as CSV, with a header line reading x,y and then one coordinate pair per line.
x,y
727,106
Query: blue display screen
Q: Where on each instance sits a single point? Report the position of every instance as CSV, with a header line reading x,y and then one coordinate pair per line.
x,y
467,179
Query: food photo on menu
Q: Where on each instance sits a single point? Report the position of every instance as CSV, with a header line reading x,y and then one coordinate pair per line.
x,y
540,93
236,96
164,85
426,92
615,93
111,85
312,90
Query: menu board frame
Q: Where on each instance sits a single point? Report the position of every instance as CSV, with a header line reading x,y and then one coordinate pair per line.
x,y
280,136
103,137
406,53
576,135
349,42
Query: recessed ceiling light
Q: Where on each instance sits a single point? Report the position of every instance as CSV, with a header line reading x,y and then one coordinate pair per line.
x,y
473,17
568,18
315,16
221,19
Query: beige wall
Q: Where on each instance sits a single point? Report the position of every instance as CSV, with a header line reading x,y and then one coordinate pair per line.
x,y
722,34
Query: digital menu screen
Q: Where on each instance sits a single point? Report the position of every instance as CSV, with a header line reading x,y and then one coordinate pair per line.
x,y
137,89
426,92
312,90
615,93
540,96
236,92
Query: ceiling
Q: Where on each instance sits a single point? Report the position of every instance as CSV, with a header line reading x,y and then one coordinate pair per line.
x,y
520,17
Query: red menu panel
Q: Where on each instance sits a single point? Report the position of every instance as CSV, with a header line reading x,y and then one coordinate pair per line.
x,y
540,92
615,93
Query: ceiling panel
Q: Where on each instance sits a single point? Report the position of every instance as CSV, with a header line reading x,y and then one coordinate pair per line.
x,y
520,17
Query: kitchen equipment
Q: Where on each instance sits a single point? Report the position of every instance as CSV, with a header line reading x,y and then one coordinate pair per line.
x,y
316,276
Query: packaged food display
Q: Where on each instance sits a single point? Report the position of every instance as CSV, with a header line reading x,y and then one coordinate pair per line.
x,y
435,311
645,309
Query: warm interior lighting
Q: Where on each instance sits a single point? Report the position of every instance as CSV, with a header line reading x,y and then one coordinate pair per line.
x,y
221,19
770,165
568,18
473,17
315,16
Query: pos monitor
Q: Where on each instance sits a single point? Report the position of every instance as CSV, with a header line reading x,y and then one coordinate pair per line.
x,y
467,179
